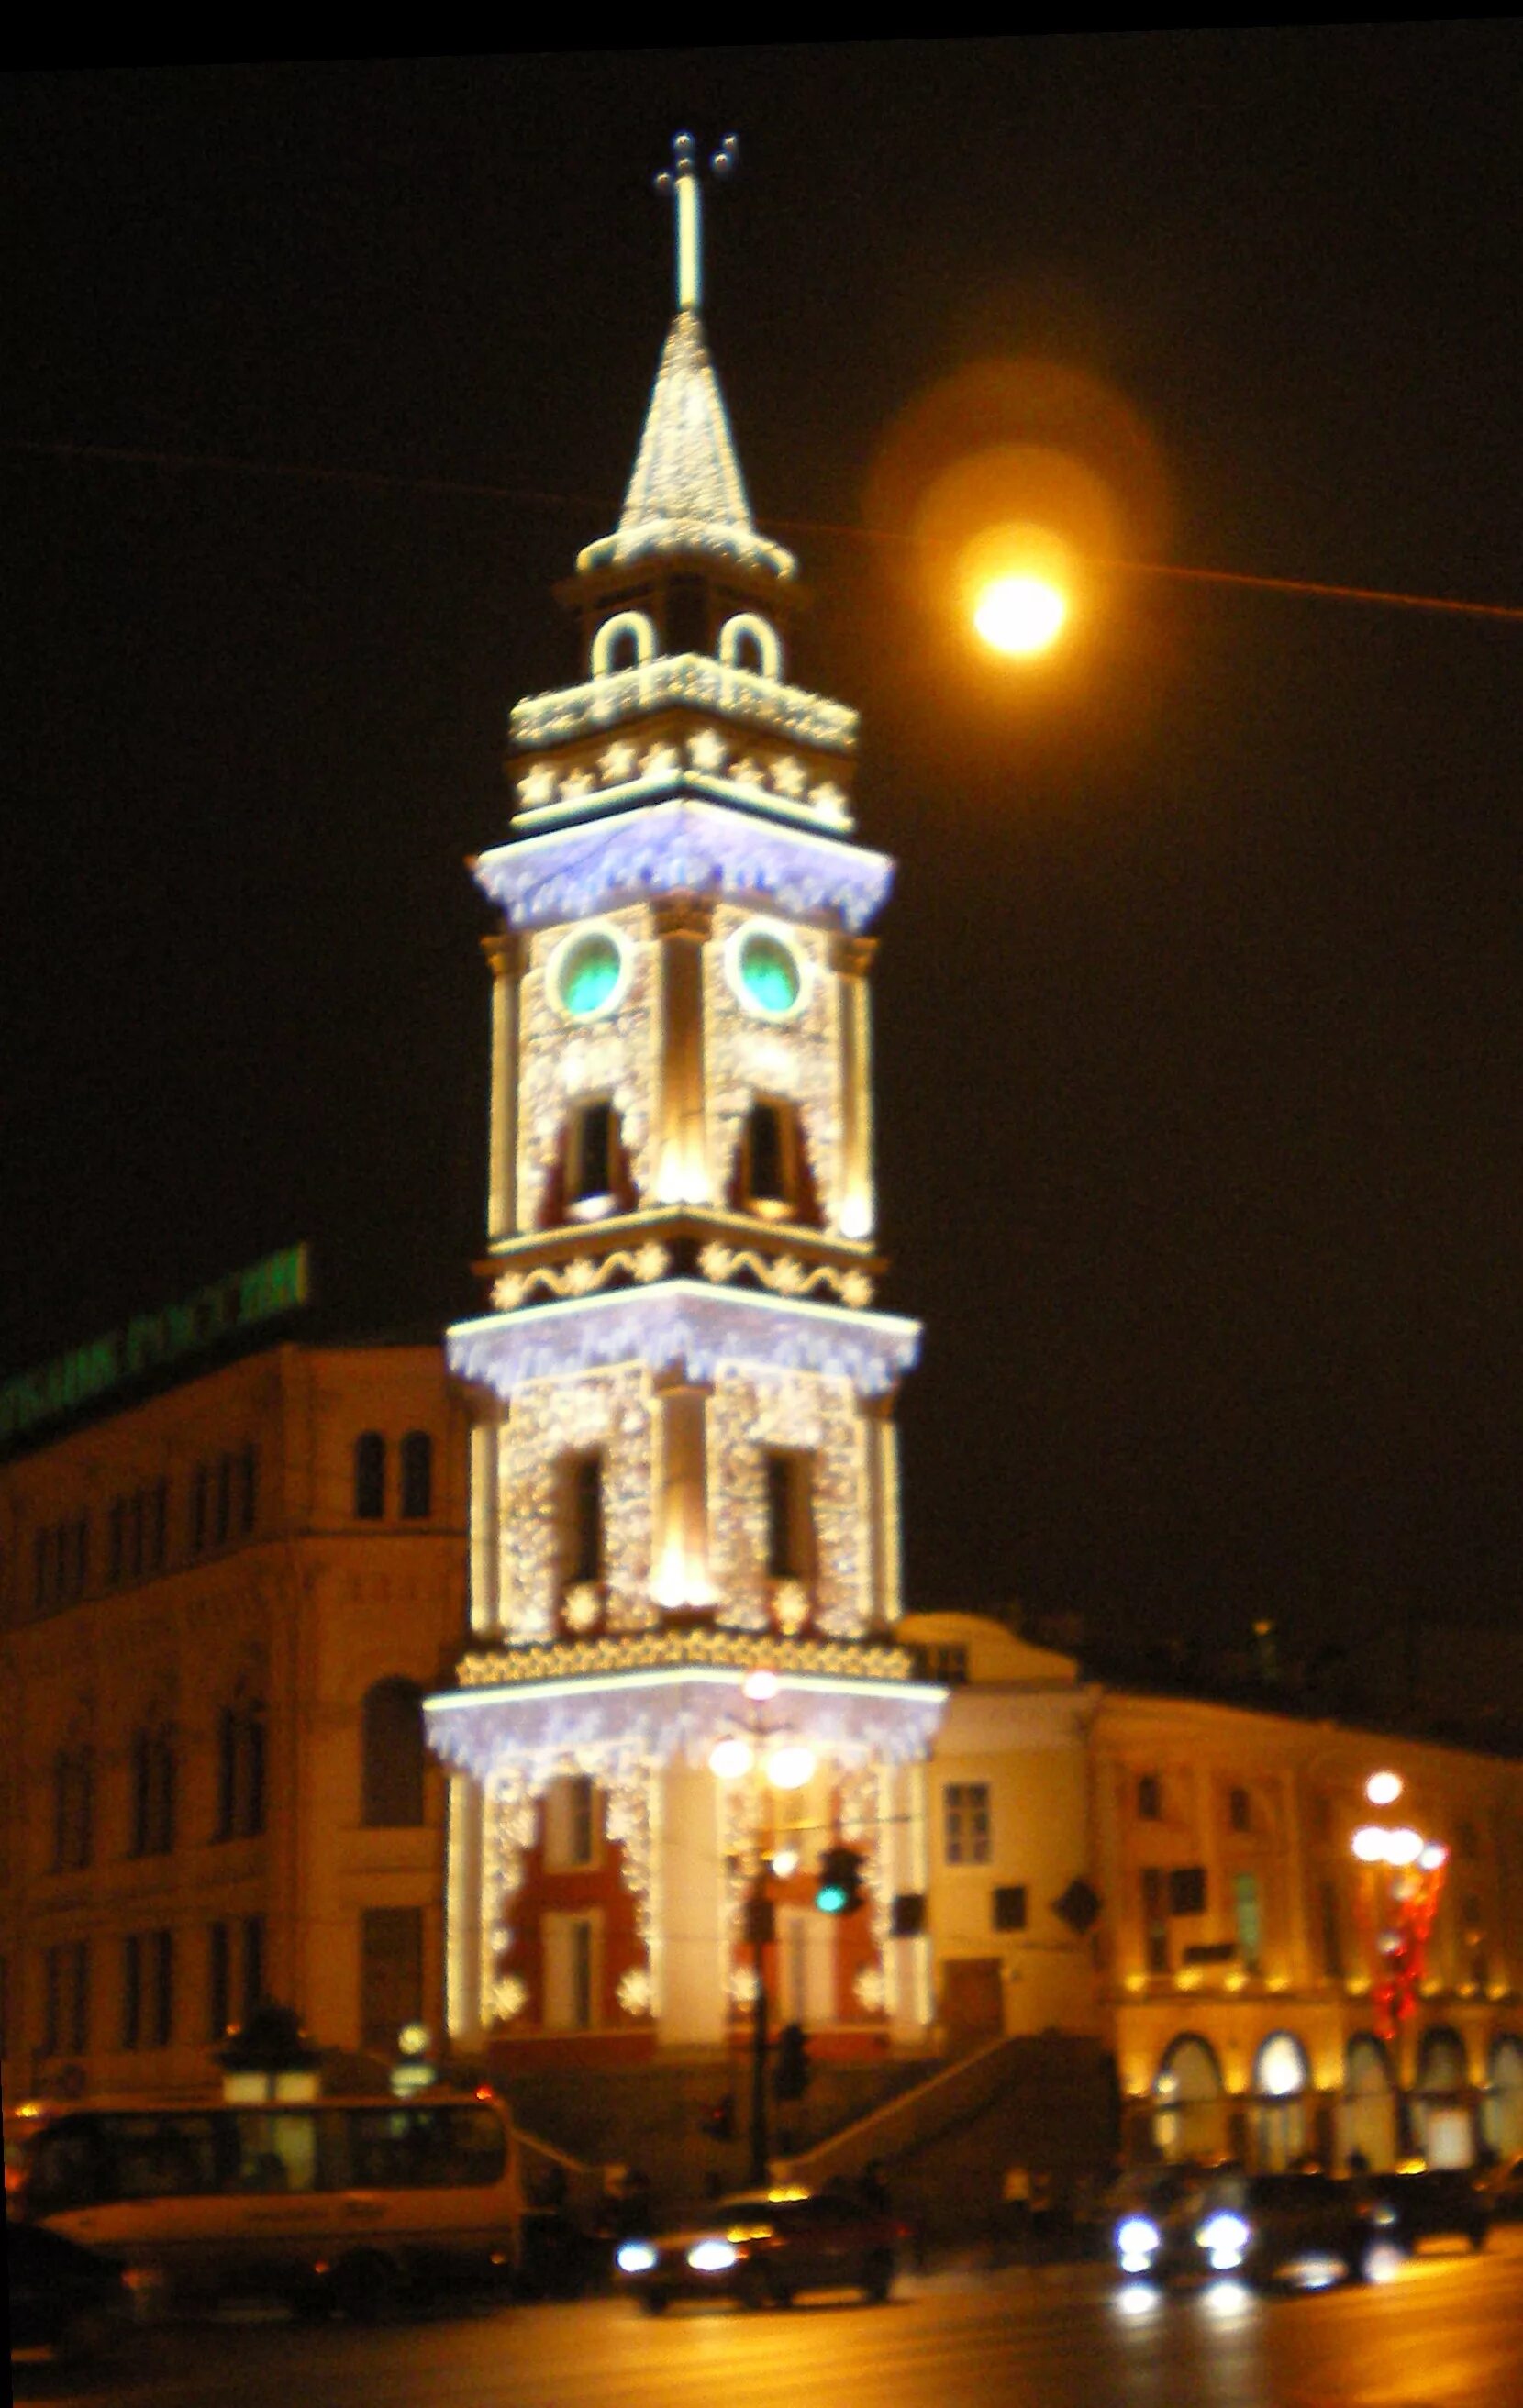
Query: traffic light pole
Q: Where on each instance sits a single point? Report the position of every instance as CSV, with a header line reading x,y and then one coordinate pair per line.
x,y
760,2142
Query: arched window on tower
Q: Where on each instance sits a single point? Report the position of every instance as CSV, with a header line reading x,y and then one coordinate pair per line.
x,y
392,1754
622,642
417,1476
369,1476
595,1168
772,1177
749,641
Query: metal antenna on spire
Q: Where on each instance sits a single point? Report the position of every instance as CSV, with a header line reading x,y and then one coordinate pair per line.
x,y
682,180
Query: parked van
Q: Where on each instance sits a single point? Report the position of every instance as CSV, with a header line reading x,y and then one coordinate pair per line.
x,y
348,2201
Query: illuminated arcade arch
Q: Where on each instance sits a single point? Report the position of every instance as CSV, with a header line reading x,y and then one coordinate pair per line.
x,y
1189,2115
748,632
1282,2078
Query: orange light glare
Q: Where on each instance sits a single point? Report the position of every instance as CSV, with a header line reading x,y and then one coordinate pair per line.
x,y
1020,615
1383,1789
1370,1844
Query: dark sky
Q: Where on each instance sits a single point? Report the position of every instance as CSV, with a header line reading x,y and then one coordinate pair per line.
x,y
1200,999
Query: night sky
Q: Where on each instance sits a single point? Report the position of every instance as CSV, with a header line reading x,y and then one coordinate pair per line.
x,y
1199,1001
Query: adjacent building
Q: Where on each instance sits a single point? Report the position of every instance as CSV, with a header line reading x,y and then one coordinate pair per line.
x,y
220,1609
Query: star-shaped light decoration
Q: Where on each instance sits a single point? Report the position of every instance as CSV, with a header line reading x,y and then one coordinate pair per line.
x,y
617,764
581,1276
856,1290
659,760
634,1991
510,1291
789,776
747,772
706,750
828,800
650,1262
538,787
577,784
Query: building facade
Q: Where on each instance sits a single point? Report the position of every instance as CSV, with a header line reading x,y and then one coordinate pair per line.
x,y
1220,1936
219,1611
682,1682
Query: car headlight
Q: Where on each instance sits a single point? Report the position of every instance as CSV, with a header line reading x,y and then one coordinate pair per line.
x,y
1225,2238
634,2256
713,2257
1138,2241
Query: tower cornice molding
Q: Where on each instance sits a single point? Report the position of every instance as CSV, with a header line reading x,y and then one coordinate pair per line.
x,y
685,1322
688,845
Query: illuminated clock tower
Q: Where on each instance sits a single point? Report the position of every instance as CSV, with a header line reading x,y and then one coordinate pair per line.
x,y
684,1520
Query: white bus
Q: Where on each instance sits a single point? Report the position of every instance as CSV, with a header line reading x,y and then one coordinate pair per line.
x,y
350,2202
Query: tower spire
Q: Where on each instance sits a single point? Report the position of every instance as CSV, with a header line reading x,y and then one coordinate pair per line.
x,y
682,180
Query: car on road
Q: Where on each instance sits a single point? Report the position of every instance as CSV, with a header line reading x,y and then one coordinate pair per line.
x,y
762,2248
1444,2202
1504,2187
64,2299
1311,2228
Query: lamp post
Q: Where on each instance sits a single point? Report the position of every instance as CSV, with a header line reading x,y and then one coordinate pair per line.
x,y
765,1761
1397,1892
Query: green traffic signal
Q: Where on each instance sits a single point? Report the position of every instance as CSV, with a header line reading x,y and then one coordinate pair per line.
x,y
838,1890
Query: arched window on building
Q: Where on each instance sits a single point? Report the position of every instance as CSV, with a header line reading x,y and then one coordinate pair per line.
x,y
623,642
1367,2110
240,1768
1502,2109
1189,2102
1282,2080
417,1476
153,1808
1444,2106
369,1476
392,1754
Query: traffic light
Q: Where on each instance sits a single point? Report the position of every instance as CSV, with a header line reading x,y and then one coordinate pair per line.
x,y
838,1890
719,2119
790,2066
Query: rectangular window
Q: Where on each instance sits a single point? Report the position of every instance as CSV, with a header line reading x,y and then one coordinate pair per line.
x,y
966,1823
134,1525
118,1558
40,1560
200,1499
1010,1908
1149,1799
571,1824
1247,1921
417,1476
65,2000
161,1988
571,1972
1332,1931
1156,1919
391,1974
248,1488
1239,1810
131,1990
219,1980
158,1523
225,1499
790,1514
254,1965
582,1537
1188,1890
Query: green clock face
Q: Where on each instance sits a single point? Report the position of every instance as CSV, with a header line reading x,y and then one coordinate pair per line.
x,y
587,974
770,976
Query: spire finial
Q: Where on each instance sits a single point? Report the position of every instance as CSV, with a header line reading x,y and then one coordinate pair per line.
x,y
681,179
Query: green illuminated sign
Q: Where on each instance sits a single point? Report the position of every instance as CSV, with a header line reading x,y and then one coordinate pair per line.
x,y
242,1301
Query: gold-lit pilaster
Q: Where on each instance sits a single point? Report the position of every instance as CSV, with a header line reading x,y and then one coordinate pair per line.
x,y
858,1206
502,953
681,1576
683,923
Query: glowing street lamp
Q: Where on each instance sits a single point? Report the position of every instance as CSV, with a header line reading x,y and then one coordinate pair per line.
x,y
1020,615
1400,1884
